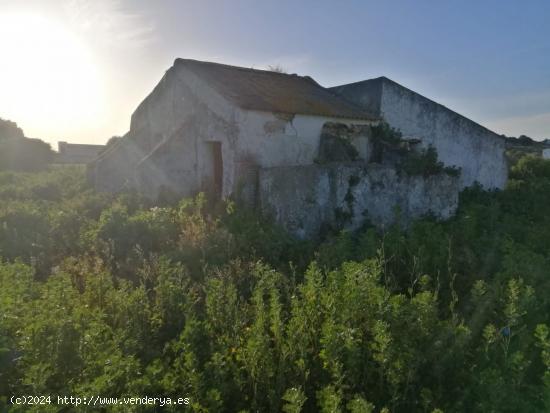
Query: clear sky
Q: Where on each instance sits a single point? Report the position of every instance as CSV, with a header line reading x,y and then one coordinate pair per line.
x,y
76,69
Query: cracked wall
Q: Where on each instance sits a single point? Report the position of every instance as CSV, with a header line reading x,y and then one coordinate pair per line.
x,y
308,199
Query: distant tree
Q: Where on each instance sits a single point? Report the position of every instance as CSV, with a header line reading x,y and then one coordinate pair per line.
x,y
18,153
9,130
525,140
29,155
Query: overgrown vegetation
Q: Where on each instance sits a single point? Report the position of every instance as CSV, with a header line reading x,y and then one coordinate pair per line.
x,y
336,144
412,161
112,296
383,132
425,163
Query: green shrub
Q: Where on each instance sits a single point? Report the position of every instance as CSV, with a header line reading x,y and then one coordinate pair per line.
x,y
25,155
425,163
111,296
530,166
383,132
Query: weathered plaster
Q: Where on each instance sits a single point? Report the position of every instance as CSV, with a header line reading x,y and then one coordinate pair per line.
x,y
162,148
295,144
304,199
459,141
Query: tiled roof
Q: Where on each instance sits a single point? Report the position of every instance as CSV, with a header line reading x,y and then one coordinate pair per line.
x,y
269,91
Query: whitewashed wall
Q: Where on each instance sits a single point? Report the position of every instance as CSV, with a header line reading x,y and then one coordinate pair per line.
x,y
458,140
276,141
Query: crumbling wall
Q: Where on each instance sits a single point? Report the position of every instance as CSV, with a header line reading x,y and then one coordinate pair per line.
x,y
459,141
276,139
307,199
342,142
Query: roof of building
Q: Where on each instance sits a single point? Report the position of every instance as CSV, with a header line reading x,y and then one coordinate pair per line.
x,y
80,145
270,91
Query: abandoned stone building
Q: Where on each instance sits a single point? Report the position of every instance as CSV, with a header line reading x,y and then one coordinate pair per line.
x,y
307,155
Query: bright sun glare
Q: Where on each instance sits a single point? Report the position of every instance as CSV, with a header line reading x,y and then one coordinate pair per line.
x,y
49,82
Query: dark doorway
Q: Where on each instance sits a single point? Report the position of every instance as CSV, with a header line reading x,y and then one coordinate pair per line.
x,y
213,169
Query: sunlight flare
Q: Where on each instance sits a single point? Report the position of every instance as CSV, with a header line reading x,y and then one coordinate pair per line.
x,y
48,77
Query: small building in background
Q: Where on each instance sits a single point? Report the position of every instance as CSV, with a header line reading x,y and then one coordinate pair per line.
x,y
77,153
546,153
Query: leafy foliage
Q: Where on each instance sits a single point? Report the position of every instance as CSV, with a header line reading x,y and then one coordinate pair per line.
x,y
413,161
110,295
18,153
425,163
25,154
383,132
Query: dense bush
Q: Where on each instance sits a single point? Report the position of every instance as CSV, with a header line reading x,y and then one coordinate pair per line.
x,y
110,295
25,154
18,153
418,161
425,163
383,132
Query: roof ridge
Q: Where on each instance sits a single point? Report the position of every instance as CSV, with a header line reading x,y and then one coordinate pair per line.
x,y
181,60
259,89
409,90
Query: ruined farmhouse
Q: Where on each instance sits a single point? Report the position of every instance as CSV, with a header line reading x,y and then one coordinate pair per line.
x,y
307,155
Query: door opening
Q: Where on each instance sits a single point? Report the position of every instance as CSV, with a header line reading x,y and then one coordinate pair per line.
x,y
213,169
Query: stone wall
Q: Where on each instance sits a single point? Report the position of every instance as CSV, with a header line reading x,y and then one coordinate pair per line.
x,y
342,142
275,140
307,199
459,141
